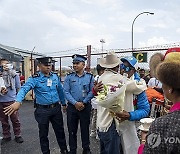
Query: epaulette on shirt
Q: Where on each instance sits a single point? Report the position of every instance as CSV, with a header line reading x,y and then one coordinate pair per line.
x,y
70,73
89,73
35,75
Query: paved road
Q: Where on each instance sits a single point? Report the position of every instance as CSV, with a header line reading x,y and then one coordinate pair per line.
x,y
30,135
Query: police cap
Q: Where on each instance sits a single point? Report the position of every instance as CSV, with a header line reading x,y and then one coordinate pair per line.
x,y
45,60
78,58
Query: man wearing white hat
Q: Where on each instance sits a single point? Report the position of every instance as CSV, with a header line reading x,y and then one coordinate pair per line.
x,y
107,125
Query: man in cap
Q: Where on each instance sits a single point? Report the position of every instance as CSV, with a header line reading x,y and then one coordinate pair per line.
x,y
78,92
136,104
48,93
129,66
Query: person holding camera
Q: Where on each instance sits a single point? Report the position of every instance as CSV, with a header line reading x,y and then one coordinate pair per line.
x,y
12,84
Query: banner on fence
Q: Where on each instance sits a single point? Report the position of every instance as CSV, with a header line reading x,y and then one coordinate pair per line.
x,y
140,56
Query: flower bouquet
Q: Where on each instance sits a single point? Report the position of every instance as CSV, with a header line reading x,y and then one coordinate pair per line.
x,y
112,97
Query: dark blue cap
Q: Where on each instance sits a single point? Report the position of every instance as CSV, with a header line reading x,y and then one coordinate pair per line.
x,y
79,58
45,60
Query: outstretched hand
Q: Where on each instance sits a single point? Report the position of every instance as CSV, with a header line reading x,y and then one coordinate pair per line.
x,y
12,108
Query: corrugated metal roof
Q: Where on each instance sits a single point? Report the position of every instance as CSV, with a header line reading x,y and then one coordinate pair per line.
x,y
21,52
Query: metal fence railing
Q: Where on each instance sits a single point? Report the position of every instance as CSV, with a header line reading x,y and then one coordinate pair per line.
x,y
64,63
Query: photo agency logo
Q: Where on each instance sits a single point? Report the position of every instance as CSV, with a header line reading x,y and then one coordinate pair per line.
x,y
154,140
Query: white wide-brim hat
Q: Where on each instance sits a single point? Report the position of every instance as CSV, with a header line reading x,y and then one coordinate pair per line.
x,y
110,61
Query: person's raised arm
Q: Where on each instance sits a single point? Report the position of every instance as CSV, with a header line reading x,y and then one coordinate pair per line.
x,y
30,84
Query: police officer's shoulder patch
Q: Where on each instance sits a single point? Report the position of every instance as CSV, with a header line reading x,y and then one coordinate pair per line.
x,y
35,75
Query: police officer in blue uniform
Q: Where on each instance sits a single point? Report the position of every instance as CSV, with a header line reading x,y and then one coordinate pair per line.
x,y
78,92
48,93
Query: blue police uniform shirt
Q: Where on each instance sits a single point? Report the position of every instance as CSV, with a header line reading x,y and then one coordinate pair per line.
x,y
78,88
45,94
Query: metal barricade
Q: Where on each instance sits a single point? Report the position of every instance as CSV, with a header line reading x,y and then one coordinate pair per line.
x,y
157,108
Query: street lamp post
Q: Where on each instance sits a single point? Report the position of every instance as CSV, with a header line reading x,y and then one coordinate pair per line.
x,y
151,13
102,41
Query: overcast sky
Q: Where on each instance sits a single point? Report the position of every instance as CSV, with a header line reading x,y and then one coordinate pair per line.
x,y
58,25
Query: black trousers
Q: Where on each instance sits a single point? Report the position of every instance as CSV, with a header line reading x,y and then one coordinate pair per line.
x,y
54,115
73,118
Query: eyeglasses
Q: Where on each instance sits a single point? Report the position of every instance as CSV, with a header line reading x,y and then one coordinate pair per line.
x,y
126,68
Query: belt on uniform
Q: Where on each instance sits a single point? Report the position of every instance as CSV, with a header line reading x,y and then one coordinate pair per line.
x,y
47,106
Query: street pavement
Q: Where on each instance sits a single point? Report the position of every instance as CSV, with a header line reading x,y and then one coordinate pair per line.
x,y
30,135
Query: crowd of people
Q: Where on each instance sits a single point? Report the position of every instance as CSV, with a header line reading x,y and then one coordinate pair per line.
x,y
113,123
